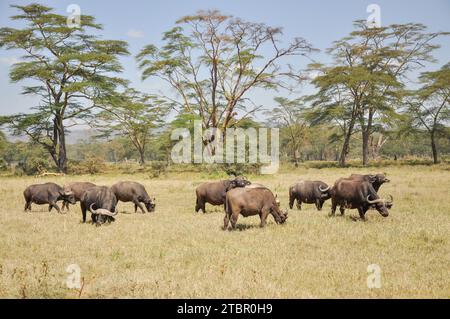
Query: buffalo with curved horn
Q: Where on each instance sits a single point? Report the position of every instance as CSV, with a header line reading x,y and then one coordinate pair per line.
x,y
309,192
101,202
360,195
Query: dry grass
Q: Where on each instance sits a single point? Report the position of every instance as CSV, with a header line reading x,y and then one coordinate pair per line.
x,y
177,253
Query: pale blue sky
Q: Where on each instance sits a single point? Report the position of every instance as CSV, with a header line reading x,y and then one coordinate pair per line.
x,y
141,22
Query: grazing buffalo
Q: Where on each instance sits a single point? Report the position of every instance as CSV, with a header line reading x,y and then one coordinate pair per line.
x,y
360,195
257,185
376,180
309,192
249,202
78,189
133,192
48,193
101,202
214,192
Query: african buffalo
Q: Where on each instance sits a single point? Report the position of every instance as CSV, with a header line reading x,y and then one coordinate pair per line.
x,y
376,180
101,202
48,193
249,202
309,192
78,189
355,194
133,192
214,192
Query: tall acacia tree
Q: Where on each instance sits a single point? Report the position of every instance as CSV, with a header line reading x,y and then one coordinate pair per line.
x,y
212,61
429,106
288,116
70,69
133,115
369,71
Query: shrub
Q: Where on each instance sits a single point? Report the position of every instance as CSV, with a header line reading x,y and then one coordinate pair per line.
x,y
91,165
33,166
157,168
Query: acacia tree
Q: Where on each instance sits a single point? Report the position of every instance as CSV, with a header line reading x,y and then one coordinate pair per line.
x,y
70,69
288,115
212,61
133,115
370,66
429,106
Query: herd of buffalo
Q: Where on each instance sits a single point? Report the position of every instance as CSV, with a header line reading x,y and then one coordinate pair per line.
x,y
238,196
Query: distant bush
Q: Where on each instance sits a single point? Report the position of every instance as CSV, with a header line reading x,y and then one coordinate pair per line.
x,y
157,168
242,169
33,166
3,165
91,165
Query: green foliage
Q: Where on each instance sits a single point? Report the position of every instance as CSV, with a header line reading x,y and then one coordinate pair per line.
x,y
212,61
70,70
91,165
157,168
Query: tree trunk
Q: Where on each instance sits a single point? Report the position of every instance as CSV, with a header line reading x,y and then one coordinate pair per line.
x,y
346,146
365,147
366,129
141,157
344,151
434,148
62,156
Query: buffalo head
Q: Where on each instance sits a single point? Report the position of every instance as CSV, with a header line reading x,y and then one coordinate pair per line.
x,y
381,205
325,192
239,182
101,215
150,205
68,196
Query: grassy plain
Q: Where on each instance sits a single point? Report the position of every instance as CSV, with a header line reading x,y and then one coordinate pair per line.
x,y
175,252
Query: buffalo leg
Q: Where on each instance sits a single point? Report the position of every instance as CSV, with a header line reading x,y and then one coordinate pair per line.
x,y
291,201
66,205
200,205
83,213
318,206
333,207
27,206
53,204
299,203
362,213
137,204
197,208
234,218
263,217
226,221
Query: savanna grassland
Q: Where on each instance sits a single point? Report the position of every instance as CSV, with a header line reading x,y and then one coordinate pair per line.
x,y
175,252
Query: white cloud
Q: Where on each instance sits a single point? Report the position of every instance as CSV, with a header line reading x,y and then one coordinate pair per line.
x,y
133,33
8,60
